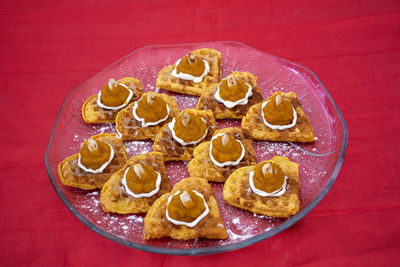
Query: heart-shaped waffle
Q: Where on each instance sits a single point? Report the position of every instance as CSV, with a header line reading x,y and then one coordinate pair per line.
x,y
92,113
300,132
211,226
202,166
207,100
166,81
237,191
114,198
72,175
131,129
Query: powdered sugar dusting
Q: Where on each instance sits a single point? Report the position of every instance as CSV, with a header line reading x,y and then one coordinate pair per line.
x,y
103,128
265,150
134,148
186,101
113,223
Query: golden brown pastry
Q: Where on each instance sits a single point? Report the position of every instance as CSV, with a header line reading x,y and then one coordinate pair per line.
x,y
235,89
101,156
195,63
300,131
284,198
116,195
193,127
208,224
119,96
202,165
131,128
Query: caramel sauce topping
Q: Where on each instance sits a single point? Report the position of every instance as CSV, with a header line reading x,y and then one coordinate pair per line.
x,y
141,178
232,90
94,153
186,206
192,65
278,111
151,108
268,177
189,127
226,148
115,95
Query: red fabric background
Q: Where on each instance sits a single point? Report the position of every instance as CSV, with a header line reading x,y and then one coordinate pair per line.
x,y
48,47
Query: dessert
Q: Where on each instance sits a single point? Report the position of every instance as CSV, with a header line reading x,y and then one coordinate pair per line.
x,y
270,188
279,118
189,211
177,139
142,119
135,187
114,96
99,158
193,73
228,150
232,97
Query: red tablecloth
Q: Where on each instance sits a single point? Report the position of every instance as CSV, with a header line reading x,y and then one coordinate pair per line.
x,y
48,47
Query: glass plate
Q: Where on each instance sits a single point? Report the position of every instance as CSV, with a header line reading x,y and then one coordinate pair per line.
x,y
319,162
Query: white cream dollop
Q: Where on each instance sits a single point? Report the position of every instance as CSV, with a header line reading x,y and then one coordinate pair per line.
x,y
189,77
102,167
142,120
149,194
179,140
197,220
226,163
262,193
110,83
278,127
231,104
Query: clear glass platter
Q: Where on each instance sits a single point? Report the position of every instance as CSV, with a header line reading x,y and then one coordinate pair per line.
x,y
319,162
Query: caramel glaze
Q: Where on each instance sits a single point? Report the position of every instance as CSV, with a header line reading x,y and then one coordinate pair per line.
x,y
193,130
194,67
270,181
95,159
228,152
186,212
151,110
234,92
143,184
281,114
115,97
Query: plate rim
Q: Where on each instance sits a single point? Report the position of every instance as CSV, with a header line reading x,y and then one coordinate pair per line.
x,y
213,249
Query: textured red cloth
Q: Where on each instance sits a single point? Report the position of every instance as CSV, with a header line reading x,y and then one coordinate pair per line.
x,y
48,47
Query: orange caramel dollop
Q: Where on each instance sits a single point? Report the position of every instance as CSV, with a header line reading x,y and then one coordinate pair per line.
x,y
231,89
151,108
278,111
189,126
268,177
141,178
191,64
115,96
226,148
186,211
94,153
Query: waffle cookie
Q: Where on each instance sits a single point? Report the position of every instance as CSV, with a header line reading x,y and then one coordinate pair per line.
x,y
237,191
156,225
301,132
202,166
207,100
92,113
113,197
130,129
72,175
168,82
171,149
